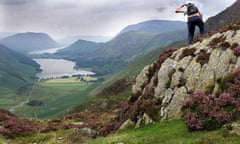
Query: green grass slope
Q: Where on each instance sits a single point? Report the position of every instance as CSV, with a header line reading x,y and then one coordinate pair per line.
x,y
167,132
16,70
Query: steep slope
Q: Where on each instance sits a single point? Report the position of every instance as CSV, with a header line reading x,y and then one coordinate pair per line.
x,y
26,42
155,26
11,125
16,70
133,69
111,56
125,45
80,47
229,16
161,87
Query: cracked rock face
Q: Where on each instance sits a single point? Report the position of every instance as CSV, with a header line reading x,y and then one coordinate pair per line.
x,y
178,76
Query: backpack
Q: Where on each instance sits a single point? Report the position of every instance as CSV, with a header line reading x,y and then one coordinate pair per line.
x,y
191,9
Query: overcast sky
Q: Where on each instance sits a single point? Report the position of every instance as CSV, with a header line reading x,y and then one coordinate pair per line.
x,y
60,18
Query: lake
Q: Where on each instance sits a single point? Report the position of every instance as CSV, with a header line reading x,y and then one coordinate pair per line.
x,y
55,68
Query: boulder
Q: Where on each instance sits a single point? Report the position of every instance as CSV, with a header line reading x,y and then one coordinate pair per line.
x,y
173,110
127,125
141,80
232,129
164,76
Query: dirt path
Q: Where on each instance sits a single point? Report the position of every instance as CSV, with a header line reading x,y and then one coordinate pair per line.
x,y
12,109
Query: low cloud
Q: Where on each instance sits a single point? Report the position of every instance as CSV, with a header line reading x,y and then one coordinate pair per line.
x,y
96,17
14,2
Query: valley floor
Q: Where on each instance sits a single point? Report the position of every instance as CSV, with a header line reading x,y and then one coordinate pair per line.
x,y
55,96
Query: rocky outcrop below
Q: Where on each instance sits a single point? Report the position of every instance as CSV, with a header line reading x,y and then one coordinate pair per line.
x,y
161,87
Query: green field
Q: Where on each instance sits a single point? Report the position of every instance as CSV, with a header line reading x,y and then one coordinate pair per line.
x,y
57,95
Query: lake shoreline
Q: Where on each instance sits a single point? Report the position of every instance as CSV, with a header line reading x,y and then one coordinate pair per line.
x,y
57,68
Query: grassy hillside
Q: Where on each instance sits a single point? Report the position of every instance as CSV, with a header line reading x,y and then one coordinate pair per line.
x,y
167,132
230,15
16,71
155,26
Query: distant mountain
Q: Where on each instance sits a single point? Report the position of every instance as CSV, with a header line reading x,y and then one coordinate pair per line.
x,y
132,42
6,34
80,47
226,17
71,39
109,57
155,26
26,42
16,70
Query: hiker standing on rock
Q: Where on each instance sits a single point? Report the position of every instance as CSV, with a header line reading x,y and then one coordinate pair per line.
x,y
194,19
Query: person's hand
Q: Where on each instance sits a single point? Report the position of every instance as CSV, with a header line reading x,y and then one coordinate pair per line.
x,y
185,13
201,15
178,10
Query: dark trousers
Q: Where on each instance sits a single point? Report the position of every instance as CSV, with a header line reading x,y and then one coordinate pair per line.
x,y
192,23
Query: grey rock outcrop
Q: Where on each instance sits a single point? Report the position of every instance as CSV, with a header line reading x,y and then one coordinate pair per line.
x,y
232,129
181,73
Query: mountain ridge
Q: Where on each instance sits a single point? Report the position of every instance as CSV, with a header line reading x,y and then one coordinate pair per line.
x,y
155,26
17,70
123,49
29,41
228,16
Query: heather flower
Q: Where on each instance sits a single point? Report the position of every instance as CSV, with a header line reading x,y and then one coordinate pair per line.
x,y
203,111
236,51
236,71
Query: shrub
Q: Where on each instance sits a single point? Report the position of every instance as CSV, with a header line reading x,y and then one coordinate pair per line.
x,y
214,43
225,45
187,52
166,54
206,111
181,69
233,85
223,81
234,45
210,88
168,84
11,126
203,57
181,82
234,27
236,51
35,103
155,79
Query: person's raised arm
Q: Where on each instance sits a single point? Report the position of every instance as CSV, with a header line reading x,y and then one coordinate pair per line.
x,y
180,9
